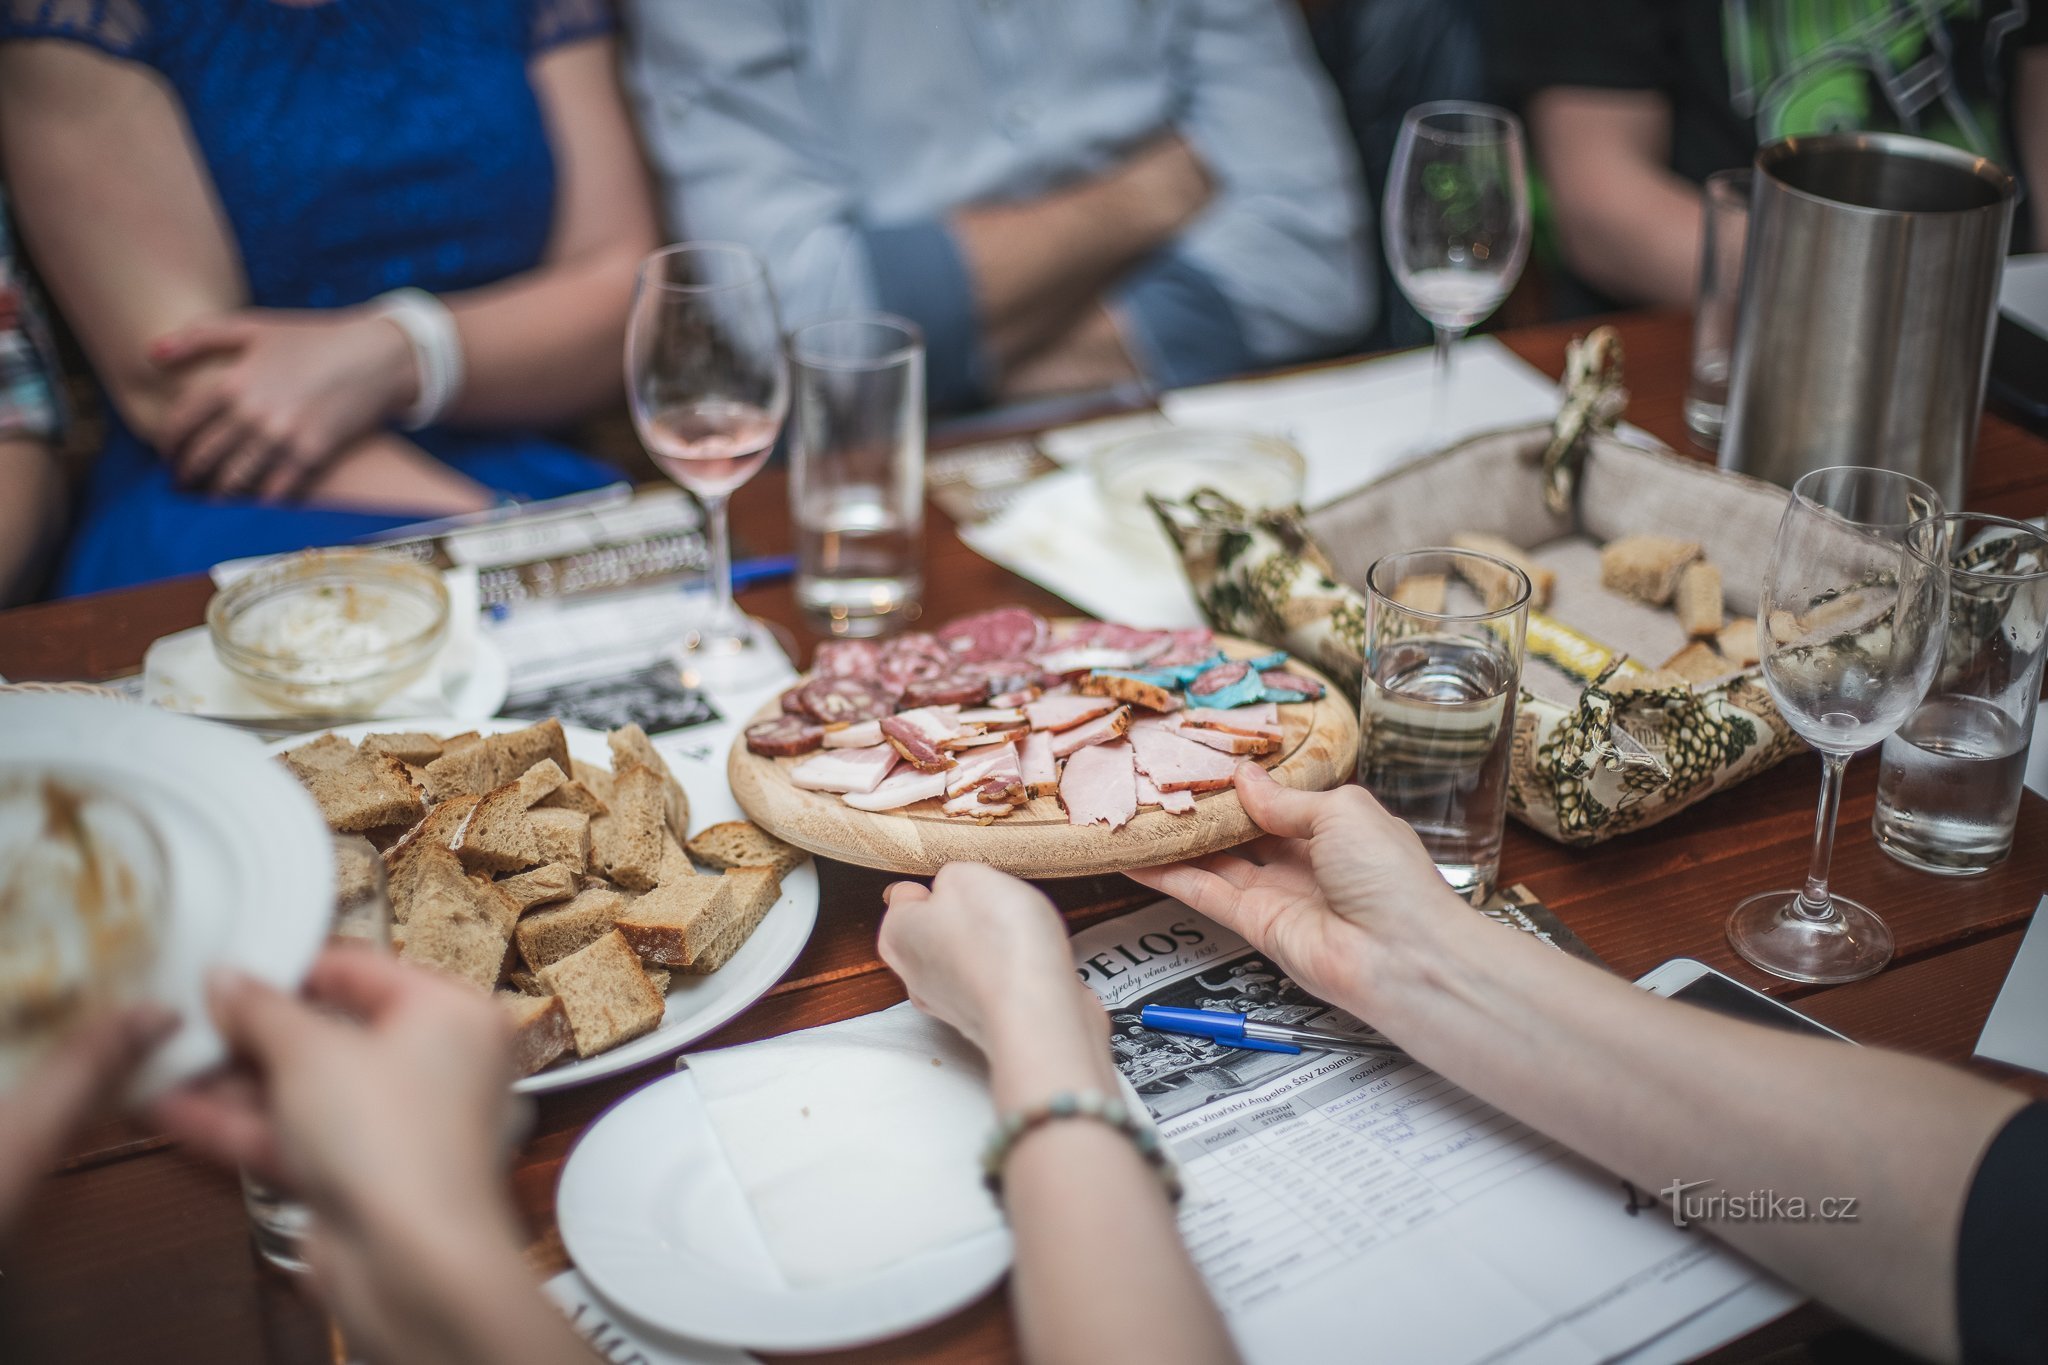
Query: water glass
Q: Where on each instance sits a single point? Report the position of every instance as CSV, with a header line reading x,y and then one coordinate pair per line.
x,y
1724,234
362,915
856,485
1948,792
1443,663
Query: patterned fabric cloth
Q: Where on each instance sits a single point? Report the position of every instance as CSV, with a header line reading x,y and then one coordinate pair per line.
x,y
355,147
28,392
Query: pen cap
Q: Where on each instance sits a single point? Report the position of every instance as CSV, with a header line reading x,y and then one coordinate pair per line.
x,y
1205,1023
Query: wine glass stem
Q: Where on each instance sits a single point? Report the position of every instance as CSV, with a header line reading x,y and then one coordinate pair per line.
x,y
1814,902
1440,385
723,610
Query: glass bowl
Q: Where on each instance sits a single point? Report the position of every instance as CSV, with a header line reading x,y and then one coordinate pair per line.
x,y
1252,470
330,631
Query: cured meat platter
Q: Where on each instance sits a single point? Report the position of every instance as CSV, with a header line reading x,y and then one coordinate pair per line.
x,y
1045,749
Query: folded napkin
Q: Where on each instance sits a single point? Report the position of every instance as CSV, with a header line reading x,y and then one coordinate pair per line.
x,y
857,1144
182,673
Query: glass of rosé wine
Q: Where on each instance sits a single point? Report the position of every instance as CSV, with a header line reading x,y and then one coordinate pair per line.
x,y
707,377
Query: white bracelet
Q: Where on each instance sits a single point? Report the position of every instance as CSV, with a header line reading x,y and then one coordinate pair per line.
x,y
436,350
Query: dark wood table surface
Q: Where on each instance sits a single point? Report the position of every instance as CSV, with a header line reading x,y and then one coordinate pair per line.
x,y
134,1251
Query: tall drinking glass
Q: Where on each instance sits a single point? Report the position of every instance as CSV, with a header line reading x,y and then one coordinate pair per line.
x,y
1724,236
1850,624
1948,793
709,385
1456,217
1444,633
856,471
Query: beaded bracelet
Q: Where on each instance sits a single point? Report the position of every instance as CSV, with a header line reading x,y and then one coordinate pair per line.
x,y
1069,1104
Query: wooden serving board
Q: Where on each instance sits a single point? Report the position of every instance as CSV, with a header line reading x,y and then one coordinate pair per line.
x,y
1320,750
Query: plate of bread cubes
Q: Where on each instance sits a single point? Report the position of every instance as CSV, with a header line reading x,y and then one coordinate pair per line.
x,y
616,910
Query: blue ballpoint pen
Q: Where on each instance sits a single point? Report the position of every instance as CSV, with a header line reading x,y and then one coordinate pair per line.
x,y
1235,1030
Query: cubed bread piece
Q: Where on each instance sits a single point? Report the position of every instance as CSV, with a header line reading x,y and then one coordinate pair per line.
x,y
1698,662
1423,592
542,886
517,750
547,936
539,782
1698,603
354,790
467,771
358,876
658,977
561,836
626,844
1738,642
525,982
498,837
598,779
605,993
741,843
751,894
673,925
540,1029
630,746
409,746
675,864
1495,587
458,925
1646,567
574,795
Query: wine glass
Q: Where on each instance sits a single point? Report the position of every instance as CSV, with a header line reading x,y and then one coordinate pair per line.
x,y
1456,217
708,382
1851,621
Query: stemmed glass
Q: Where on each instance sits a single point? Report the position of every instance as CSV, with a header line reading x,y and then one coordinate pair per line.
x,y
1456,217
708,382
1851,622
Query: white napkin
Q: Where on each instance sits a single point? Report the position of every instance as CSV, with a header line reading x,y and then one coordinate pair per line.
x,y
857,1144
182,673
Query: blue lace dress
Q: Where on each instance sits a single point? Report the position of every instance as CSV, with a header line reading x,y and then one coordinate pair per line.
x,y
356,146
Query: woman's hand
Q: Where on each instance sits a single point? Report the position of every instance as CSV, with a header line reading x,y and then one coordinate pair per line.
x,y
1335,884
288,392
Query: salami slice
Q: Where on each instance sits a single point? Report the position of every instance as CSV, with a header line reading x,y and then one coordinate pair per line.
x,y
1005,675
1217,678
859,659
915,657
963,688
784,737
845,701
1298,688
793,702
1005,633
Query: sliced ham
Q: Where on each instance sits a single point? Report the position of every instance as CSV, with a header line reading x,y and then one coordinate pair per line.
x,y
999,765
936,723
959,742
1110,727
1260,718
906,787
1175,803
1188,647
1176,764
1065,712
1041,769
1229,741
844,770
1084,658
918,737
993,717
1017,698
1100,786
865,735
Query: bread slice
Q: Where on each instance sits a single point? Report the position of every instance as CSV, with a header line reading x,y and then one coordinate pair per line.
x,y
458,925
672,925
631,747
1738,642
597,779
542,886
409,746
476,768
468,771
1698,662
751,894
354,790
498,836
540,1029
574,795
1646,567
1495,587
741,843
605,993
658,977
675,864
548,936
561,836
626,844
518,750
1698,602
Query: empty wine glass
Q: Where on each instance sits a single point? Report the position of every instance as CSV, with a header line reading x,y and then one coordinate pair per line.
x,y
708,383
1850,622
1456,217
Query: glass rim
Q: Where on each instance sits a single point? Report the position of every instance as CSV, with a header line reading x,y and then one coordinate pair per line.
x,y
757,273
1418,119
1953,570
1815,475
912,343
1522,599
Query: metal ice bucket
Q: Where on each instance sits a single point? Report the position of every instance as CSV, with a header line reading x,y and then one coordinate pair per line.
x,y
1869,295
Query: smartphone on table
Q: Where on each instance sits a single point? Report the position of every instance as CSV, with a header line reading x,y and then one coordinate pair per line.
x,y
1684,978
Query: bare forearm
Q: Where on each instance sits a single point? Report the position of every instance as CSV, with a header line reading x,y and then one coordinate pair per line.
x,y
1659,1092
1638,245
1088,355
545,347
389,474
31,512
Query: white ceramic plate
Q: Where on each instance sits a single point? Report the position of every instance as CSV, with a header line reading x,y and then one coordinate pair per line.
x,y
655,1220
696,1004
180,673
251,867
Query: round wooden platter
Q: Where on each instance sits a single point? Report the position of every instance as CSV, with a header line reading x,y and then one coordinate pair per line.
x,y
1319,751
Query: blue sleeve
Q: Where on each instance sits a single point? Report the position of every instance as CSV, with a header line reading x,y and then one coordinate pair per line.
x,y
554,23
920,274
119,28
2002,1253
1179,324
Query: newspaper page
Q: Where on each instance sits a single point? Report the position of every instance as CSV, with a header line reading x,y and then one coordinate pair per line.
x,y
1342,1207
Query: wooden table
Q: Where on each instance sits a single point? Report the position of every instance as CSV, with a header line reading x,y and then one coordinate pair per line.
x,y
136,1252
